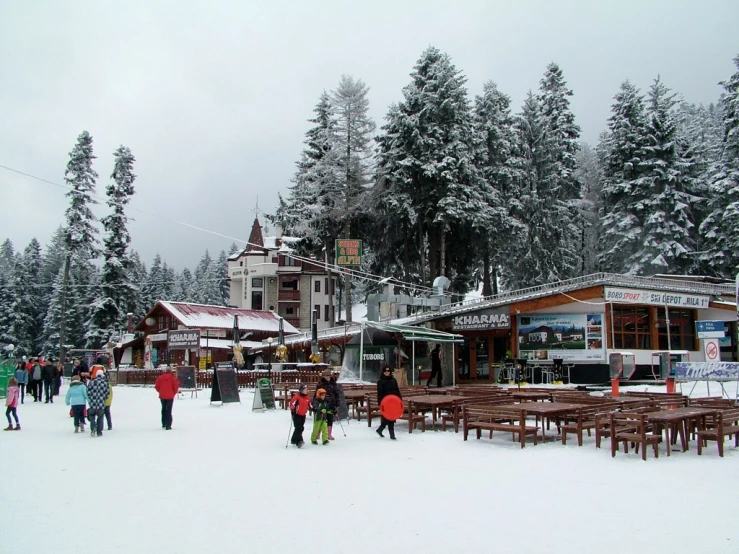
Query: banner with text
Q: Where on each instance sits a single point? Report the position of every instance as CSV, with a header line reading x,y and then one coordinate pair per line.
x,y
571,337
348,252
656,298
707,371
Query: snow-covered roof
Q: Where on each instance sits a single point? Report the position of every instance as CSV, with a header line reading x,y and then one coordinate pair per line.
x,y
224,344
203,316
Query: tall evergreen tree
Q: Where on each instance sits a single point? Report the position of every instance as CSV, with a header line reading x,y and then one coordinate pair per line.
x,y
430,181
50,337
81,233
624,202
721,226
499,172
137,277
110,308
153,286
7,256
668,240
589,174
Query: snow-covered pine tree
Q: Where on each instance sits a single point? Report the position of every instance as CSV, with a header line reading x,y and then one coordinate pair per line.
x,y
25,304
536,262
80,231
7,256
184,286
624,203
6,297
309,211
109,310
560,185
721,227
137,277
352,147
152,289
50,337
498,169
222,268
208,277
169,282
426,160
589,174
668,239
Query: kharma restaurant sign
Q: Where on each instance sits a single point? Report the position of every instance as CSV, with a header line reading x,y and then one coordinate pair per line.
x,y
185,339
483,319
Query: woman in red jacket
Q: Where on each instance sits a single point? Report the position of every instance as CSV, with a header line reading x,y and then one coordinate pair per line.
x,y
167,385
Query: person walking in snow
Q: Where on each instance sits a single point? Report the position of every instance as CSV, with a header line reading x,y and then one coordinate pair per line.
x,y
385,386
328,383
58,373
11,405
21,375
167,385
48,374
97,393
77,398
299,405
108,403
35,377
320,408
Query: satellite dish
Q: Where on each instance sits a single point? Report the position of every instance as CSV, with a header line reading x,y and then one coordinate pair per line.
x,y
150,321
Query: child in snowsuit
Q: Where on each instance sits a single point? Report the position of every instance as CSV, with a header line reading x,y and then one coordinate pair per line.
x,y
77,398
320,407
11,404
299,405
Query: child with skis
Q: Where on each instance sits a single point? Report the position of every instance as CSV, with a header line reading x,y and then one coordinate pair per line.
x,y
320,407
11,404
299,405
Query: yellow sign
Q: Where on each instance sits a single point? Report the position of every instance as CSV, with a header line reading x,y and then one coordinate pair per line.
x,y
204,361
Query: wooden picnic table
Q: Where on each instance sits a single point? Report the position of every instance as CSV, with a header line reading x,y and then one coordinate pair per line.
x,y
530,396
544,410
435,403
680,417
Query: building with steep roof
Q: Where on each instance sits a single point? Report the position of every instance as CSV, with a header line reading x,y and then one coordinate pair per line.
x,y
265,275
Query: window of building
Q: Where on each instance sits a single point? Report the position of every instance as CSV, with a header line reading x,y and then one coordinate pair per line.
x,y
317,285
290,311
681,335
317,310
241,263
333,286
257,282
289,284
325,284
289,261
325,312
256,300
631,327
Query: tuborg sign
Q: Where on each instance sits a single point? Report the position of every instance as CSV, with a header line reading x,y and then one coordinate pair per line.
x,y
483,319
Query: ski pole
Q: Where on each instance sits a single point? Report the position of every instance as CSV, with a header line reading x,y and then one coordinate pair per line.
x,y
289,432
340,425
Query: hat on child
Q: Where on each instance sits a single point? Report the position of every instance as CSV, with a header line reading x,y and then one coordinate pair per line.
x,y
321,393
302,386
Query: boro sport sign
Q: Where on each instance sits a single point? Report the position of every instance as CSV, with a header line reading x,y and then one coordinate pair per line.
x,y
656,298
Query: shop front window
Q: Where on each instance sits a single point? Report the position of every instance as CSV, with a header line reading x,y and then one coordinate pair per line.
x,y
681,335
630,327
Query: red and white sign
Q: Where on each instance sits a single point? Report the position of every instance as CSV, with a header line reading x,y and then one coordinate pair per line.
x,y
711,350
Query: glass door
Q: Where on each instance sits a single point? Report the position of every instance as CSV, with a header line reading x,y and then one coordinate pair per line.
x,y
482,358
463,360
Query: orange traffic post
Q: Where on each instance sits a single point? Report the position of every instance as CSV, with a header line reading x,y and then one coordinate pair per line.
x,y
670,385
614,387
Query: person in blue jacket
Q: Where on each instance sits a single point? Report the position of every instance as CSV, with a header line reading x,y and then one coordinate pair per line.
x,y
21,375
77,398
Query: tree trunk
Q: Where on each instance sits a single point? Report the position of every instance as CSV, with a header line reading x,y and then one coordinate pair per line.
x,y
348,280
330,256
63,318
487,288
406,254
422,250
442,250
495,278
433,254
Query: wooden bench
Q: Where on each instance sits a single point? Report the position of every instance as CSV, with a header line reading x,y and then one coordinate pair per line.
x,y
191,391
634,428
726,423
492,419
585,420
454,415
603,422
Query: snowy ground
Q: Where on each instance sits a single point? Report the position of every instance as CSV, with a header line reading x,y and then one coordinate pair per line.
x,y
222,481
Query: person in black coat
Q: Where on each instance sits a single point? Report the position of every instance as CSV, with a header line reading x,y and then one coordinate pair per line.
x,y
385,386
48,374
435,366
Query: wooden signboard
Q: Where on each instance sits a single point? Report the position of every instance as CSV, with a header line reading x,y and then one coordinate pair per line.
x,y
264,396
186,376
343,408
225,387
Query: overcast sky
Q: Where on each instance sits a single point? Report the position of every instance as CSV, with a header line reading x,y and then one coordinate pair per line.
x,y
212,97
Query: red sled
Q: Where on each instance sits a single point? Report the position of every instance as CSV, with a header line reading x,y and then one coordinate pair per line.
x,y
391,407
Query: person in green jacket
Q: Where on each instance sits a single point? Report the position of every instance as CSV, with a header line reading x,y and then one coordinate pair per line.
x,y
320,408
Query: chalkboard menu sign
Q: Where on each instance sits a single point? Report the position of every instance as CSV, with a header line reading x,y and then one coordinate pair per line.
x,y
343,409
186,376
68,368
264,396
225,387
